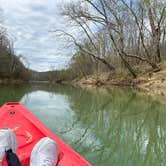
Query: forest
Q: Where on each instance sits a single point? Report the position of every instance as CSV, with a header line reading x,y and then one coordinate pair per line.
x,y
115,36
11,67
122,38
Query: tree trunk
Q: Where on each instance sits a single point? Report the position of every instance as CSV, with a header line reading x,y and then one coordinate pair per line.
x,y
128,66
156,46
110,67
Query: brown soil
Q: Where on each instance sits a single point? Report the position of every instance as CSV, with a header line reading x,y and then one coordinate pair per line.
x,y
103,79
10,81
153,83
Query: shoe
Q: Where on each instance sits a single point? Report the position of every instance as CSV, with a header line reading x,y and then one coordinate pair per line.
x,y
7,141
44,153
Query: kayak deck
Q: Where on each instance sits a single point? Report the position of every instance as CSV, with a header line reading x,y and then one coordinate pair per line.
x,y
29,130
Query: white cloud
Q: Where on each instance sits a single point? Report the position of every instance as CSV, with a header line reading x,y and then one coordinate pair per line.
x,y
29,23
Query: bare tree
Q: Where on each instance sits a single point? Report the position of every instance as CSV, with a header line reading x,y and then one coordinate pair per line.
x,y
86,50
70,11
132,30
110,22
154,13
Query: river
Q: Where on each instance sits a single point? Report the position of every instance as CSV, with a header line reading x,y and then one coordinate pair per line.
x,y
113,127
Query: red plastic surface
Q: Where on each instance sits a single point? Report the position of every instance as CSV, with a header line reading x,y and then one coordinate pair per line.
x,y
29,130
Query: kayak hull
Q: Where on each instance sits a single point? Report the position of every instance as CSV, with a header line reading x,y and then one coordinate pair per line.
x,y
29,130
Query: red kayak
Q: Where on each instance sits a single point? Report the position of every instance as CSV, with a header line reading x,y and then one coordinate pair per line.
x,y
29,130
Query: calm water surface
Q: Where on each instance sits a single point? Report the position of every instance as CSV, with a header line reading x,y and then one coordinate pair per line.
x,y
117,127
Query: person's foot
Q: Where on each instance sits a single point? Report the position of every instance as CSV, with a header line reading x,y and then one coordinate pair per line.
x,y
44,153
7,141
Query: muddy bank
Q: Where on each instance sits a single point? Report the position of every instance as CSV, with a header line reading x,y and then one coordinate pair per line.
x,y
151,83
104,79
11,81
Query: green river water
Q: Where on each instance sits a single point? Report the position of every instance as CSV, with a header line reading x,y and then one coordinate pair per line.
x,y
113,127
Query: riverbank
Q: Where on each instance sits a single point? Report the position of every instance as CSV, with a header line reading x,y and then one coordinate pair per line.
x,y
149,82
104,79
153,83
11,81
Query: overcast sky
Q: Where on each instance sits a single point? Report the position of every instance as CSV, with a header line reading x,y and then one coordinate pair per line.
x,y
29,23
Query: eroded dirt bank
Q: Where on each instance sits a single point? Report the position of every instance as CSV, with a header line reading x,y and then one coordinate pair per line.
x,y
152,83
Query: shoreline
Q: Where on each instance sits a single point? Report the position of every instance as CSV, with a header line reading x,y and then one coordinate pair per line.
x,y
11,81
150,83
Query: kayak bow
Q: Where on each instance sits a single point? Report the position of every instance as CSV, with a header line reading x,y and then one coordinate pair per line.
x,y
29,130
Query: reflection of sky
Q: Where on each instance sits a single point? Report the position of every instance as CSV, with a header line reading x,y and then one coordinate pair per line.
x,y
29,23
48,104
120,127
55,111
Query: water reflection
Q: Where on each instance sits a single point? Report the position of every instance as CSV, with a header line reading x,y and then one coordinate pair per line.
x,y
113,127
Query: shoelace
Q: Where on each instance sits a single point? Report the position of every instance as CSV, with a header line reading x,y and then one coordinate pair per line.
x,y
48,162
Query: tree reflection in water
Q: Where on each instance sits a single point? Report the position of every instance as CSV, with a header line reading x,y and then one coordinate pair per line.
x,y
114,127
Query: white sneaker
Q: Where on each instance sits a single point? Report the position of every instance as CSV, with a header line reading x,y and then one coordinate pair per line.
x,y
7,141
44,153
